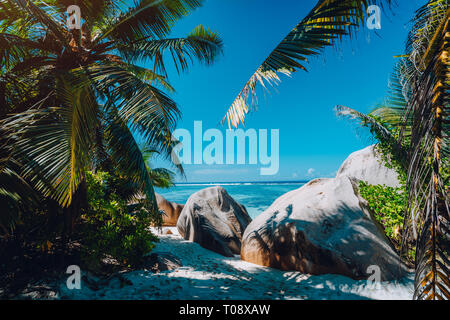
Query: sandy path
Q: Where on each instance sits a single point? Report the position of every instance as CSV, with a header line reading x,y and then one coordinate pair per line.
x,y
207,275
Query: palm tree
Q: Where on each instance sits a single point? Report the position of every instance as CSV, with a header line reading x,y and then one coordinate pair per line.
x,y
75,97
328,22
419,141
417,125
428,204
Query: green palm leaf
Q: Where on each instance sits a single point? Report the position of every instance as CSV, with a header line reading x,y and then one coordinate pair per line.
x,y
147,19
428,203
128,157
55,141
16,195
37,14
327,22
141,105
201,44
14,48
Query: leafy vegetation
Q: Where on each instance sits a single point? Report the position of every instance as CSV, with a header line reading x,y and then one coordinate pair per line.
x,y
72,101
82,97
388,205
73,106
413,131
111,226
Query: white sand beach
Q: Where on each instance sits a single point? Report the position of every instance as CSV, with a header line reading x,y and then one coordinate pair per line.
x,y
210,276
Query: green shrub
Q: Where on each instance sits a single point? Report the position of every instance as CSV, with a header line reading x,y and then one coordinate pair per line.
x,y
112,227
388,205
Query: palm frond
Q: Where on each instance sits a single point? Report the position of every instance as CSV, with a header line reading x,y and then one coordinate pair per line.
x,y
147,75
47,20
14,48
428,203
162,177
16,195
328,22
392,112
128,158
70,102
55,141
141,105
153,19
94,12
201,44
383,132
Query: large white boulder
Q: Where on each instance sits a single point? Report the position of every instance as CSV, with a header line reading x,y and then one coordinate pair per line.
x,y
323,227
367,165
212,218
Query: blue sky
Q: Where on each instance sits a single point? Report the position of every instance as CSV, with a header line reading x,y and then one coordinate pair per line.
x,y
313,141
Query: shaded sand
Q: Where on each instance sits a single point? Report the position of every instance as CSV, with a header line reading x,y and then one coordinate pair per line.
x,y
210,276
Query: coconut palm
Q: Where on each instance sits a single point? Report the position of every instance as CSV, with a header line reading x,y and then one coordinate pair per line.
x,y
428,203
76,97
328,22
417,125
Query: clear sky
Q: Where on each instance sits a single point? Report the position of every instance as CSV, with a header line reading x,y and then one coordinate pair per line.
x,y
313,141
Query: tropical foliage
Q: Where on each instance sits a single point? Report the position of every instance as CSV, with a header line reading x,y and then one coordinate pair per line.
x,y
388,205
414,131
327,23
111,227
74,100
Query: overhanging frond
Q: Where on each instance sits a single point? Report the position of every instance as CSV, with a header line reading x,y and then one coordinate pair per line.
x,y
328,21
148,19
427,214
201,44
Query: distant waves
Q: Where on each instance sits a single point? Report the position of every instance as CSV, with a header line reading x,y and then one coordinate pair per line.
x,y
255,196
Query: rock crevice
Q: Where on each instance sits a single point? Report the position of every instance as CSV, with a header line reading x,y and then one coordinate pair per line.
x,y
212,218
321,228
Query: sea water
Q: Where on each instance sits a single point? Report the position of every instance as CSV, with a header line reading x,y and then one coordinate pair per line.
x,y
255,196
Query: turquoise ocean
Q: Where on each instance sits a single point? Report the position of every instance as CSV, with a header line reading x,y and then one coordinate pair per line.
x,y
255,196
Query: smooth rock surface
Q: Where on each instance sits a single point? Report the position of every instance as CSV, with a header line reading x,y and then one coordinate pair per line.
x,y
171,210
322,227
212,218
366,165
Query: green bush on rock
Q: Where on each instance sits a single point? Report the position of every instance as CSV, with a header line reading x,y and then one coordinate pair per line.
x,y
112,227
388,205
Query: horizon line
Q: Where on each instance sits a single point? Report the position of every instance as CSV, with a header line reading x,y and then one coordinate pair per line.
x,y
223,182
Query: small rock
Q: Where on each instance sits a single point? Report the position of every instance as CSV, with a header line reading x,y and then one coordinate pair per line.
x,y
167,232
162,261
171,210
